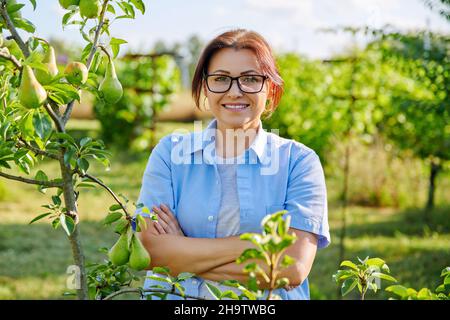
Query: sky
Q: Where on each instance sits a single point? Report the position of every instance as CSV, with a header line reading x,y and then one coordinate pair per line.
x,y
288,25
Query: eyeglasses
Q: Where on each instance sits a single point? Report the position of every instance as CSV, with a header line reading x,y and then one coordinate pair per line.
x,y
219,83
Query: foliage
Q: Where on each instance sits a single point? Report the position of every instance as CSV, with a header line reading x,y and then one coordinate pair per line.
x,y
270,246
365,276
442,292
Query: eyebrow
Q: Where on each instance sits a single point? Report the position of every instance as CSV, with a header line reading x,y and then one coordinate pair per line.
x,y
224,71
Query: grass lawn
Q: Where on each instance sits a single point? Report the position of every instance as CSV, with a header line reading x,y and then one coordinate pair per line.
x,y
34,258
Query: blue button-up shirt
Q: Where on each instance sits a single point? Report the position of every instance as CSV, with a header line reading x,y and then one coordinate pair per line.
x,y
278,174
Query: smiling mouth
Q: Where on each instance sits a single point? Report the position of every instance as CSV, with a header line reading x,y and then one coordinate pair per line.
x,y
235,107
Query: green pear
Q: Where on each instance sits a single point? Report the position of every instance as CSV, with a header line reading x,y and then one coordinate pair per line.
x,y
67,3
31,93
90,8
110,86
139,257
119,253
76,73
52,69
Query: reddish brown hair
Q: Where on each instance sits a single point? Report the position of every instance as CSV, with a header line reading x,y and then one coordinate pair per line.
x,y
240,39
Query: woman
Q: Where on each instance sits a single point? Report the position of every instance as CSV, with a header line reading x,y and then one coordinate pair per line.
x,y
209,187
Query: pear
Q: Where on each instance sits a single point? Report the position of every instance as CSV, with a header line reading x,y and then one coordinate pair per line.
x,y
119,253
67,3
1,40
139,257
90,8
110,86
76,73
52,69
31,93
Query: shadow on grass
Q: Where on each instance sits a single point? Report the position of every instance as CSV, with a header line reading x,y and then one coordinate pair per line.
x,y
410,222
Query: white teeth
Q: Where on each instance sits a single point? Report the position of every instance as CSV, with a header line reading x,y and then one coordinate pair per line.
x,y
235,106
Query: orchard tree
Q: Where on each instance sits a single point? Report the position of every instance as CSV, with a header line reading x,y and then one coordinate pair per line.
x,y
37,101
419,82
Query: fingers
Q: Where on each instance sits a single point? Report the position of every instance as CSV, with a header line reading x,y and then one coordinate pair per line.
x,y
154,228
168,220
169,213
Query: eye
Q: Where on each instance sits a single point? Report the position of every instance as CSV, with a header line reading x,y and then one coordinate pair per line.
x,y
221,79
251,79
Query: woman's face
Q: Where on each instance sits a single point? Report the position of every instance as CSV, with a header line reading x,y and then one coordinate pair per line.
x,y
234,108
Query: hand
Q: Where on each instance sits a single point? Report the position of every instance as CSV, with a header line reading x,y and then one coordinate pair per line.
x,y
167,223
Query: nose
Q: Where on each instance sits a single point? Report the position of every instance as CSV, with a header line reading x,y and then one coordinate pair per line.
x,y
234,91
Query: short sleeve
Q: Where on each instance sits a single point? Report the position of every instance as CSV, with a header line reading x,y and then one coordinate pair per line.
x,y
306,199
157,185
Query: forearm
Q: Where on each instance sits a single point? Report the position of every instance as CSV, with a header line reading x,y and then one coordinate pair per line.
x,y
196,255
232,271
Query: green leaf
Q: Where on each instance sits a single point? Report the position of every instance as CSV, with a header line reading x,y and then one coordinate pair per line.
x,y
67,223
67,17
83,165
383,276
445,271
375,262
229,294
349,264
184,276
85,141
40,217
121,226
180,288
287,261
112,217
33,2
161,270
24,24
398,290
139,4
141,221
42,125
115,207
214,290
348,286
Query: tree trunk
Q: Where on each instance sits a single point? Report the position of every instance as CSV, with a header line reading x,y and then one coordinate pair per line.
x,y
344,207
434,170
77,251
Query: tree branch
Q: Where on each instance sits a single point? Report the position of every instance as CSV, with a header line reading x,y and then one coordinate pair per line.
x,y
48,184
4,53
101,21
12,29
96,180
141,292
55,118
37,151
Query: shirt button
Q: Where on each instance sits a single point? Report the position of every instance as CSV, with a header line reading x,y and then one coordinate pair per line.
x,y
194,282
210,218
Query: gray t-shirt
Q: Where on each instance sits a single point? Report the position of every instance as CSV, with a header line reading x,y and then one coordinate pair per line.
x,y
228,220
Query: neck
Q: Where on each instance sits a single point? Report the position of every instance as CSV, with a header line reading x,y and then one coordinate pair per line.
x,y
232,142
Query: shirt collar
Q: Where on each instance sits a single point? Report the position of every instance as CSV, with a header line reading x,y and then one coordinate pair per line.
x,y
208,136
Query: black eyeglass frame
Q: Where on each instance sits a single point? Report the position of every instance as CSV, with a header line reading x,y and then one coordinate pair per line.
x,y
206,76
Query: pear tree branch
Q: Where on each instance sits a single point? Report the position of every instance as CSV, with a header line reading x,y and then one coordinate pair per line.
x,y
12,29
142,291
48,184
23,144
101,21
4,53
96,180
